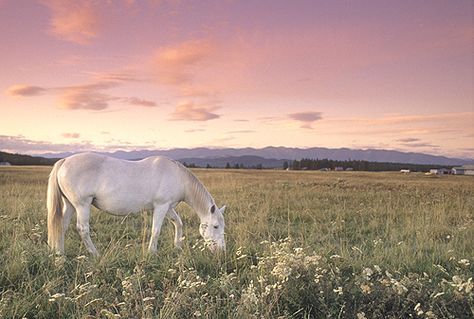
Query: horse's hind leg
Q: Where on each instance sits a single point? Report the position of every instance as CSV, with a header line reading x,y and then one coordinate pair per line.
x,y
83,216
68,210
178,227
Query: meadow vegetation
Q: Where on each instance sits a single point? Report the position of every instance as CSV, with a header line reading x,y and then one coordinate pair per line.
x,y
299,245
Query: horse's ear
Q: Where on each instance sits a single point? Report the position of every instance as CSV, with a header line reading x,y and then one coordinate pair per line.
x,y
222,209
213,209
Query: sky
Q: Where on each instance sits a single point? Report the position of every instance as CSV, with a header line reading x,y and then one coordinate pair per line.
x,y
111,75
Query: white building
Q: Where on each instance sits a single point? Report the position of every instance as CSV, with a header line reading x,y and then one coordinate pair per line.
x,y
463,170
5,164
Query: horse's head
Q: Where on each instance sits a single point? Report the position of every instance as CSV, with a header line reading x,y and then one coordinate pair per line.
x,y
212,228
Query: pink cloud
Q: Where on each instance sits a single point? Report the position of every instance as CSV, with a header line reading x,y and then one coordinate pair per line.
x,y
138,101
74,21
175,64
25,90
88,97
187,111
71,135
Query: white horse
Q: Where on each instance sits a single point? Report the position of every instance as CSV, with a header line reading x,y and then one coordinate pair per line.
x,y
122,187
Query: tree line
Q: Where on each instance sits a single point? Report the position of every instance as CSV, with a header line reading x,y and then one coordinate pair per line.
x,y
20,159
356,165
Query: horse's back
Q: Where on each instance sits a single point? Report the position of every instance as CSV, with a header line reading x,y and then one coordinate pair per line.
x,y
118,185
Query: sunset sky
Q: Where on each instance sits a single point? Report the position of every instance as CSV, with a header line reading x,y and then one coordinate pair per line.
x,y
117,74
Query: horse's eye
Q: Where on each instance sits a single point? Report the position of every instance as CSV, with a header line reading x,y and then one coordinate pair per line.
x,y
215,227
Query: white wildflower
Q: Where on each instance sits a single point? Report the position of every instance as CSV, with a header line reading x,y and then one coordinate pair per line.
x,y
366,289
367,273
298,250
361,315
464,262
469,286
430,315
418,309
377,242
249,296
399,288
56,297
338,290
239,251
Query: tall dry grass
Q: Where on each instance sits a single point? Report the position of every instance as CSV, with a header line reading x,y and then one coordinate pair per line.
x,y
299,245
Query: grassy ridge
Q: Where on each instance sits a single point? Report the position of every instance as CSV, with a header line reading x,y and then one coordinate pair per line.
x,y
299,245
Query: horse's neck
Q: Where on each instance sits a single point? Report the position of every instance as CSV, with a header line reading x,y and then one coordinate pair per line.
x,y
196,195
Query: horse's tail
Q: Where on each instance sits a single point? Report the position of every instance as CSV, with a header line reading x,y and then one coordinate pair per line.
x,y
55,214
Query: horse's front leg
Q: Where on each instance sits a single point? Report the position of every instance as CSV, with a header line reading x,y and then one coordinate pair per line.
x,y
159,213
178,227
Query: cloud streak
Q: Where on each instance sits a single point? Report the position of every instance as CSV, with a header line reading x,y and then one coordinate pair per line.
x,y
19,90
408,140
188,111
86,97
138,101
415,142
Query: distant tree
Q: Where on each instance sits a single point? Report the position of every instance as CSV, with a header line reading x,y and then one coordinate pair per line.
x,y
236,166
227,165
296,165
208,166
285,165
259,166
241,165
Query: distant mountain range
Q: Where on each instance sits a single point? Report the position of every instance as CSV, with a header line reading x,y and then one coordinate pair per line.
x,y
275,156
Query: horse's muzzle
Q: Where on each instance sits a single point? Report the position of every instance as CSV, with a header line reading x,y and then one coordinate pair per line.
x,y
217,246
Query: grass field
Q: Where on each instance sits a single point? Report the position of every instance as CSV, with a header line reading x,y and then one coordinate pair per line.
x,y
299,245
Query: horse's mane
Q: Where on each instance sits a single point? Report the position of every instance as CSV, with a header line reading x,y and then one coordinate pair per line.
x,y
196,194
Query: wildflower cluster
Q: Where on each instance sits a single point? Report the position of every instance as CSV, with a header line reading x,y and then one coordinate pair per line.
x,y
291,279
138,293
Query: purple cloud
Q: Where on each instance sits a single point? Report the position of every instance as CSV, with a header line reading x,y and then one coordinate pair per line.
x,y
25,90
306,118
